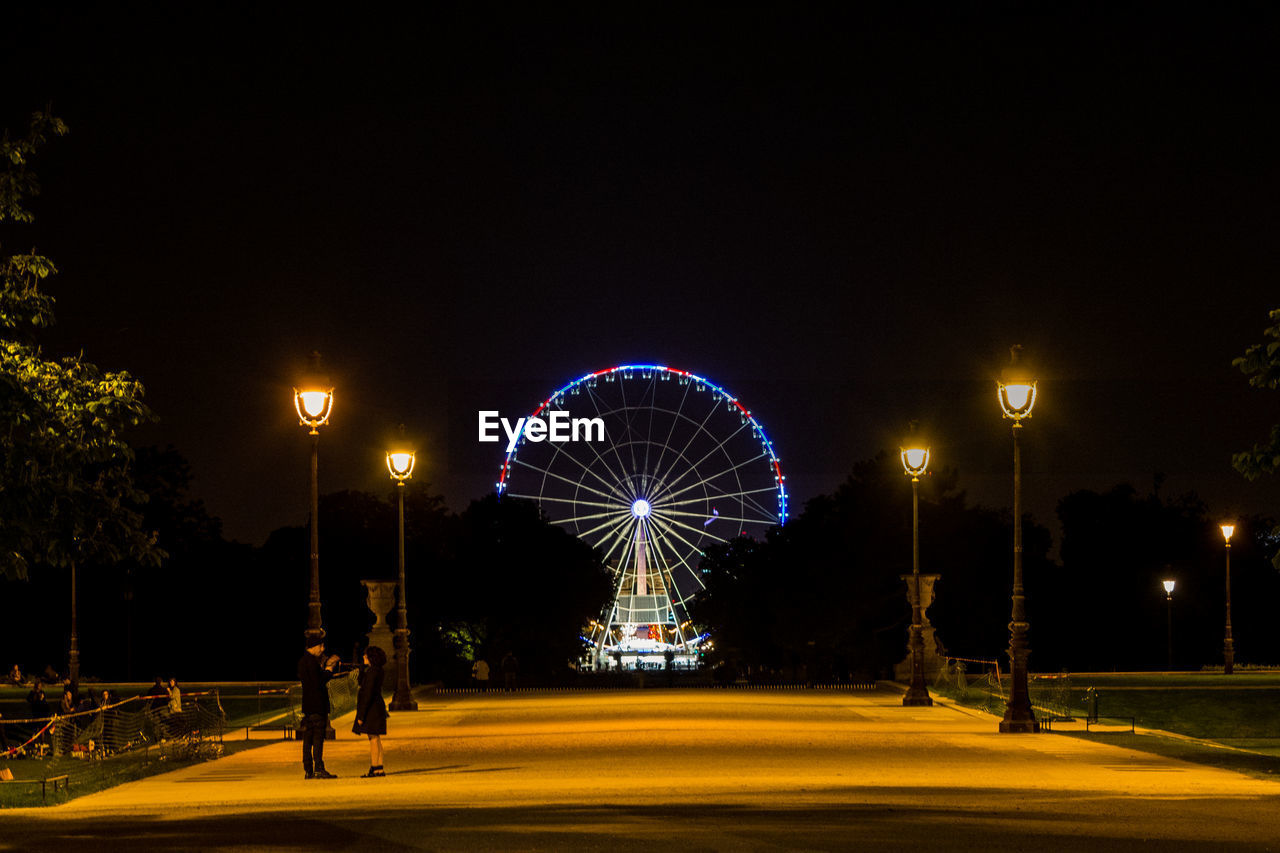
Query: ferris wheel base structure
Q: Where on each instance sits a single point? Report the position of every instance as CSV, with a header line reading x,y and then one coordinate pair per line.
x,y
682,466
637,660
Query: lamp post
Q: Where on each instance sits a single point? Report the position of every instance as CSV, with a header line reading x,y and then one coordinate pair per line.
x,y
313,401
1016,390
73,654
1168,597
400,464
1228,644
915,460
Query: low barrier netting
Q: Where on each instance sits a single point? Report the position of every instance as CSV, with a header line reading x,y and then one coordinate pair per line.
x,y
980,684
106,745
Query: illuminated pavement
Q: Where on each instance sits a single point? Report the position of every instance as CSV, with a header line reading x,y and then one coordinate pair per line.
x,y
705,769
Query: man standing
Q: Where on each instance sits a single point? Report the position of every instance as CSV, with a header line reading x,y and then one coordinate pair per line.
x,y
509,667
315,707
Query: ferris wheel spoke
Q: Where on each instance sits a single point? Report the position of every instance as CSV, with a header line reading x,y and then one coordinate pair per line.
x,y
697,431
747,498
619,484
718,448
615,515
673,527
615,480
617,592
573,501
742,495
621,472
652,394
676,417
618,537
577,484
710,478
668,513
680,557
599,527
664,564
631,416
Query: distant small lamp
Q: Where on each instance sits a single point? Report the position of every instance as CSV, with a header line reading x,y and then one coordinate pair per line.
x,y
1168,588
915,460
1228,644
400,465
1168,592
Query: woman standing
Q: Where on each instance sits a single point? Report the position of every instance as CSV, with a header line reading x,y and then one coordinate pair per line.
x,y
175,697
371,710
173,711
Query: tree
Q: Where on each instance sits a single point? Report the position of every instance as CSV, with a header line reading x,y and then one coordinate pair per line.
x,y
1261,363
825,592
1109,610
66,491
516,582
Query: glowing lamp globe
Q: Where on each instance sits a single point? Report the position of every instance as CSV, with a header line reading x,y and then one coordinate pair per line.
x,y
1168,587
400,464
1017,387
313,404
915,460
1227,530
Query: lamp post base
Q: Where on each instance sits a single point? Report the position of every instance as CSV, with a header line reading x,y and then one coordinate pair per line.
x,y
403,698
917,699
1020,726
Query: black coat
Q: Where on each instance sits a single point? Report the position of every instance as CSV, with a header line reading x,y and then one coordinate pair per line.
x,y
371,710
314,678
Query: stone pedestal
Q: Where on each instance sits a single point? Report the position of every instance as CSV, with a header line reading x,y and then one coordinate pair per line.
x,y
380,598
932,660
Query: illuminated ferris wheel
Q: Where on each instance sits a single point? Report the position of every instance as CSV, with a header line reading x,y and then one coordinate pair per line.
x,y
655,465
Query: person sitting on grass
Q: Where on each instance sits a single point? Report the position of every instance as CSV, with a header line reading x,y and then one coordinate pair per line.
x,y
36,701
15,676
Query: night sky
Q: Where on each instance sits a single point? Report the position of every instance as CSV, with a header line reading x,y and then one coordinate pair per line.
x,y
844,219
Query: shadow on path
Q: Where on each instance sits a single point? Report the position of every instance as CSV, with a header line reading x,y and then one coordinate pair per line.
x,y
833,825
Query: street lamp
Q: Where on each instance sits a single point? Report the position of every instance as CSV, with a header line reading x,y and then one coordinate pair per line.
x,y
1168,597
1016,390
313,400
915,460
400,464
1228,644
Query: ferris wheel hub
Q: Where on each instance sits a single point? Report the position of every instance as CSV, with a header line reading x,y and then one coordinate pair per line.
x,y
641,508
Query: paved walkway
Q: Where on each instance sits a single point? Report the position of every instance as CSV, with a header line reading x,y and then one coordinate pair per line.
x,y
716,769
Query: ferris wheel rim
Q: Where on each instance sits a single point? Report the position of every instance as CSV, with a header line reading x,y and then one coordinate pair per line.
x,y
779,479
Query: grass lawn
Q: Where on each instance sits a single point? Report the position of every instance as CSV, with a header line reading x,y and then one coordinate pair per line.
x,y
245,704
1236,717
1244,707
